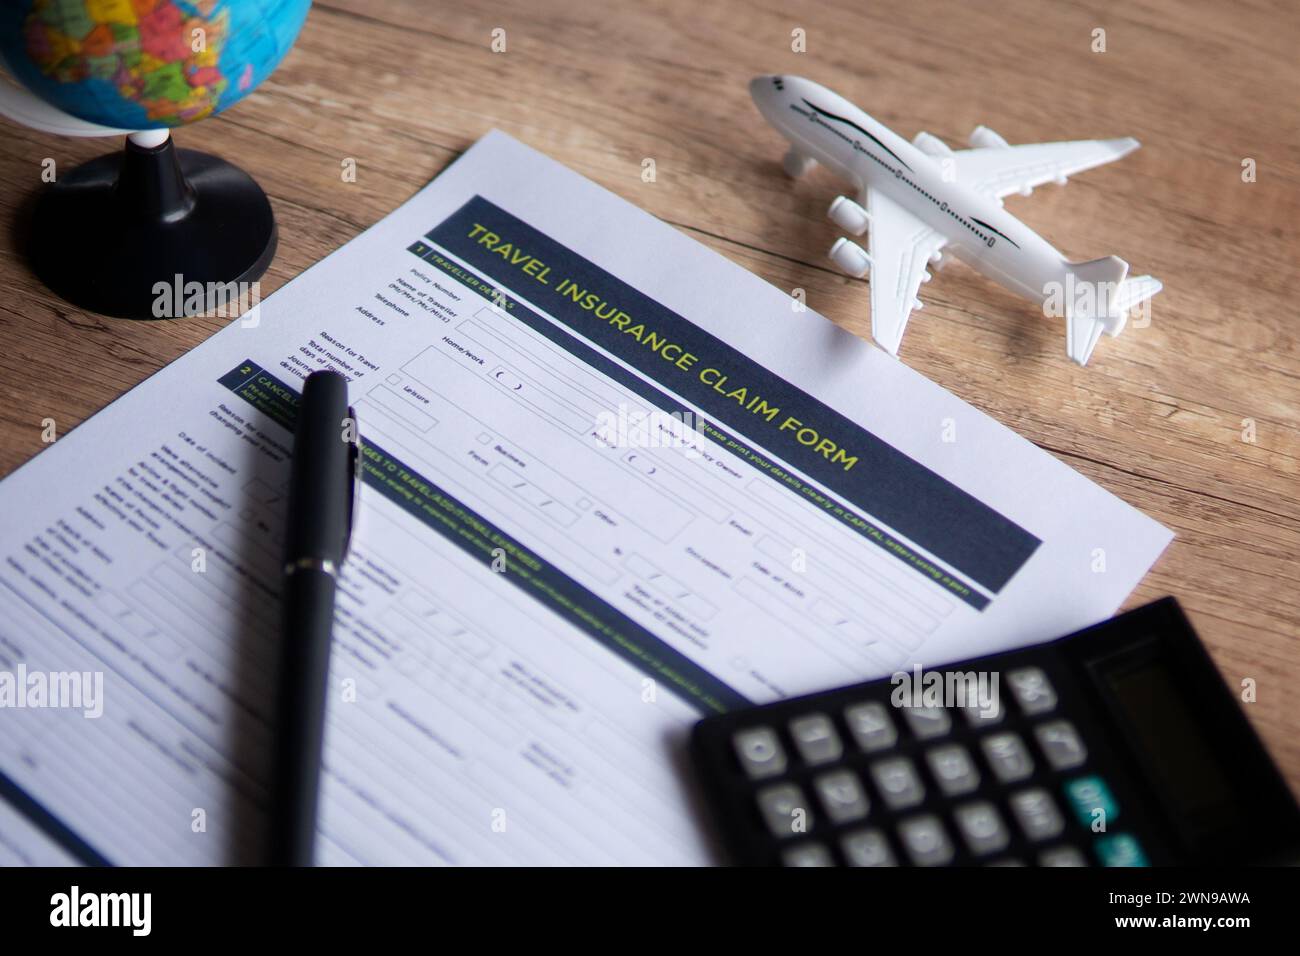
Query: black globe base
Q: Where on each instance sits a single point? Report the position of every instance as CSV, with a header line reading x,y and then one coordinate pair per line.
x,y
153,233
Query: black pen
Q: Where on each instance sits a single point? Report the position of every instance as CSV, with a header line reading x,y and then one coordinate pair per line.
x,y
322,490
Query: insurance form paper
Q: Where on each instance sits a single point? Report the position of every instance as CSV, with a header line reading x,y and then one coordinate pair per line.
x,y
612,483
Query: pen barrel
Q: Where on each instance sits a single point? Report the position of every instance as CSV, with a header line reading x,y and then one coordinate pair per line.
x,y
307,599
321,483
320,479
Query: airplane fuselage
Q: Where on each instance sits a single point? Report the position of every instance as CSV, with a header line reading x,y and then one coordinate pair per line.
x,y
828,128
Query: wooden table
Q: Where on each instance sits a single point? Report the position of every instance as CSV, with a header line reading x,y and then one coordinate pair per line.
x,y
1162,415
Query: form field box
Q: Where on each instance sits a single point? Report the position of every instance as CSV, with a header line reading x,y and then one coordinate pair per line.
x,y
670,587
841,621
871,561
139,625
781,612
549,355
429,368
537,497
900,613
264,493
401,408
248,549
414,604
682,489
540,372
426,613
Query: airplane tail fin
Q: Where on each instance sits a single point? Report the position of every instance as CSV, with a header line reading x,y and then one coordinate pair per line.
x,y
1132,292
1100,302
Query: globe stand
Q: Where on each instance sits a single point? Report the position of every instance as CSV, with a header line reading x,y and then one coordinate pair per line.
x,y
112,233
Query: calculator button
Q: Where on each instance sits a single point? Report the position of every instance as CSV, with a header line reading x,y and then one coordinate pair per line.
x,y
1091,800
927,722
807,854
871,726
925,841
1062,856
842,796
867,848
897,781
953,768
1120,850
1062,744
1036,813
760,752
981,827
1032,690
983,713
784,808
1007,756
816,739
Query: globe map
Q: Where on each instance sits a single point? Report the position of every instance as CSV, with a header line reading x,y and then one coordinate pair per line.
x,y
141,64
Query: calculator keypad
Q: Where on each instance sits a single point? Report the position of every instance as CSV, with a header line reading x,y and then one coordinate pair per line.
x,y
1033,692
952,766
842,796
1062,744
1062,856
994,782
982,714
898,782
1121,850
928,722
1008,757
816,739
867,848
785,809
807,854
871,726
982,828
926,841
760,753
1037,815
1092,801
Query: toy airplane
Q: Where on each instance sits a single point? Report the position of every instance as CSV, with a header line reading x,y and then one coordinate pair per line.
x,y
922,196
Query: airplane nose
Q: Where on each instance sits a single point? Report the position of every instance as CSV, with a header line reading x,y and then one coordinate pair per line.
x,y
764,88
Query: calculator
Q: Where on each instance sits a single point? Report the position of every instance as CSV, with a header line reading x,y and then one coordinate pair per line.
x,y
1119,745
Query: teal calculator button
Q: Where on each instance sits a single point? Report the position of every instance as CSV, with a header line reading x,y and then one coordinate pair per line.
x,y
1089,794
1120,850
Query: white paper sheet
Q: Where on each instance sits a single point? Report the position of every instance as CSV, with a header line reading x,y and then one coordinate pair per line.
x,y
542,597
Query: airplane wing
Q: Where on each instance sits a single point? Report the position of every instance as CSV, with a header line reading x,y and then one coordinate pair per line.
x,y
901,246
998,171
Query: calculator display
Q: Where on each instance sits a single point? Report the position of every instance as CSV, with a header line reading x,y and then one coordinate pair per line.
x,y
1169,737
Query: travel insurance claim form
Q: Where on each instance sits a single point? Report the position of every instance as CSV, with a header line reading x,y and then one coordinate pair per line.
x,y
611,483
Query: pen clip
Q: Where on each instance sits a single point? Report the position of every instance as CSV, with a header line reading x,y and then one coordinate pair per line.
x,y
354,477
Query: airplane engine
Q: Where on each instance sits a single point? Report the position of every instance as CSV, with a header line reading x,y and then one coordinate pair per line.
x,y
850,257
848,215
931,145
982,137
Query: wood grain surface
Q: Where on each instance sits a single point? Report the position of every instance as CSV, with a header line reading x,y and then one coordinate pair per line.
x,y
1161,415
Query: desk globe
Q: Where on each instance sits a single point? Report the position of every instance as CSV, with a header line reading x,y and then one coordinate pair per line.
x,y
106,233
